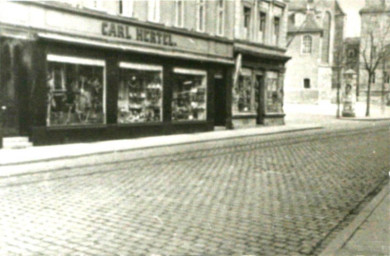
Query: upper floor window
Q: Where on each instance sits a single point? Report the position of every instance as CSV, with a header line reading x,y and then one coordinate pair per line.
x,y
262,26
247,21
276,30
154,10
247,16
95,4
179,7
291,19
201,15
220,17
307,44
125,7
386,76
306,83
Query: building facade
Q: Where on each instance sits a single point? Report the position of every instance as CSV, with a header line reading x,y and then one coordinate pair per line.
x,y
259,51
315,39
94,70
375,20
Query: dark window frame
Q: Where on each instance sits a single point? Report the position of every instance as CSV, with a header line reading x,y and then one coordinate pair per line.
x,y
306,83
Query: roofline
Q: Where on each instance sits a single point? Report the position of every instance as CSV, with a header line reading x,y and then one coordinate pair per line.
x,y
320,31
341,9
373,10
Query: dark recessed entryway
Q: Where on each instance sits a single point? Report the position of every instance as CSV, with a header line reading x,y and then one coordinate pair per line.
x,y
220,101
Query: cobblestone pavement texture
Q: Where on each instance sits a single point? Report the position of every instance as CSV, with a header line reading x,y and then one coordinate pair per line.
x,y
249,196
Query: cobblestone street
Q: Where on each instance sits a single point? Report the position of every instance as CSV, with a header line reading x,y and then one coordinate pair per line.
x,y
252,196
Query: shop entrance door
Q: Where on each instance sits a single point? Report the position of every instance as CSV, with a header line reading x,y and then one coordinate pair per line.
x,y
9,80
259,99
219,101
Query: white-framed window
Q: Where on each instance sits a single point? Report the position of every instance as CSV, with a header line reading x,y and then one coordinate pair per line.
x,y
140,93
220,17
154,10
179,11
189,95
76,91
125,7
276,30
262,26
307,44
247,21
201,15
94,4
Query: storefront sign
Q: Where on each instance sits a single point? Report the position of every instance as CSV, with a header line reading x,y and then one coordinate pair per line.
x,y
139,34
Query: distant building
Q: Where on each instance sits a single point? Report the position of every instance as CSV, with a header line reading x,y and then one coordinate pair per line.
x,y
89,70
375,17
315,38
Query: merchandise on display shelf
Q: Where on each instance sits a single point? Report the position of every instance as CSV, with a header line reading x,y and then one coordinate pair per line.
x,y
75,94
140,96
189,97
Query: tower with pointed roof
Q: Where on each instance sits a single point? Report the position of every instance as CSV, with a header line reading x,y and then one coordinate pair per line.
x,y
315,33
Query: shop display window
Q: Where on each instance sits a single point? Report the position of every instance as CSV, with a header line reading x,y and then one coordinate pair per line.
x,y
189,95
274,95
75,91
140,93
242,93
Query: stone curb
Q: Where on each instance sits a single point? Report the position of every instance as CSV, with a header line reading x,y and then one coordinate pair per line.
x,y
368,119
345,235
168,144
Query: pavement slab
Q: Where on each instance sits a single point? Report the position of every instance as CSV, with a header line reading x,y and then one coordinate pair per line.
x,y
369,233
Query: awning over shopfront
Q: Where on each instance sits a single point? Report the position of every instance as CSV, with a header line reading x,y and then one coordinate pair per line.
x,y
260,52
108,44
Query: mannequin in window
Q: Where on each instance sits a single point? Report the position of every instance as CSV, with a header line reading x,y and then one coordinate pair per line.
x,y
83,101
50,95
96,93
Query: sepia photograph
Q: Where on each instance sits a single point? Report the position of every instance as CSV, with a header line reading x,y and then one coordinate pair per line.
x,y
195,127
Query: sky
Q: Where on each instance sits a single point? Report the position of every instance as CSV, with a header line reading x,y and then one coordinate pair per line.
x,y
351,8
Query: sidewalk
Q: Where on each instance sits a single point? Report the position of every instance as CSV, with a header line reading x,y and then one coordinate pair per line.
x,y
324,114
298,118
45,153
330,108
369,233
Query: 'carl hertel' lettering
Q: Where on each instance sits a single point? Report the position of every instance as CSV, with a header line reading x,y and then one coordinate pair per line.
x,y
141,34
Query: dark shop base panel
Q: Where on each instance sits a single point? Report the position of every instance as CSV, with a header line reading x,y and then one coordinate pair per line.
x,y
63,135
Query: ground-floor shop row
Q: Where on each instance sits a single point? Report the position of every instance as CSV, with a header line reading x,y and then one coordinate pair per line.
x,y
58,92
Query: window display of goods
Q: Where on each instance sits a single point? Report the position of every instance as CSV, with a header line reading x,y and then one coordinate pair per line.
x,y
140,96
75,94
189,97
274,95
243,93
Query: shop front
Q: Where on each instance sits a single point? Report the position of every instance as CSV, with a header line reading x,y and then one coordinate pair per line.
x,y
257,93
111,77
